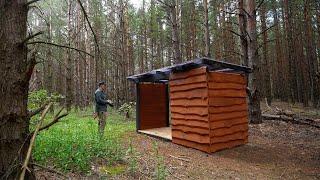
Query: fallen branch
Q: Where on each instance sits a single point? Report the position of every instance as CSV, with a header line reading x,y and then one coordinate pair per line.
x,y
37,111
26,161
51,170
56,119
179,158
290,119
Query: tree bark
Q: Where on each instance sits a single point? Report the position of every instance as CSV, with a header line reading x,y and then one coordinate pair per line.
x,y
253,62
266,71
206,29
16,72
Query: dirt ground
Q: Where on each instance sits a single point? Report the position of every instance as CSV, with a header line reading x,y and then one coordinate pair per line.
x,y
276,150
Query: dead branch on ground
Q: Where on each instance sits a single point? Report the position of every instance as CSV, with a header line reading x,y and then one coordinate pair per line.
x,y
51,170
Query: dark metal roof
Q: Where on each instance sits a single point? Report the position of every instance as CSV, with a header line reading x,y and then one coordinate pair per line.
x,y
162,74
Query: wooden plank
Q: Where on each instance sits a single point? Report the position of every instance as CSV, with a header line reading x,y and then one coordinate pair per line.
x,y
227,145
193,72
189,80
190,123
201,139
187,129
195,93
164,132
190,110
228,123
189,102
226,77
187,87
230,137
229,130
152,106
183,142
224,85
227,93
231,115
223,109
190,116
225,101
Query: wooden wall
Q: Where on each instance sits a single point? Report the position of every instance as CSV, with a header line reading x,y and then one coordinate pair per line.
x,y
228,113
189,109
153,106
208,109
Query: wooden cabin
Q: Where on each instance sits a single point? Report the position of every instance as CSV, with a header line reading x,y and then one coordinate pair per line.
x,y
200,104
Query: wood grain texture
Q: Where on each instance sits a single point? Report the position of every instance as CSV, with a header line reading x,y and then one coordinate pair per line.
x,y
188,129
230,115
241,135
153,106
228,93
190,102
190,94
193,72
200,111
229,130
228,109
194,137
227,123
227,145
187,87
189,122
189,80
225,101
183,142
222,85
222,77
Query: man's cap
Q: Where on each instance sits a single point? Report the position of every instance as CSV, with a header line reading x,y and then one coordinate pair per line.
x,y
101,83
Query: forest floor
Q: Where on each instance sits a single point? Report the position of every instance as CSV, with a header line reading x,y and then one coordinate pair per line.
x,y
276,150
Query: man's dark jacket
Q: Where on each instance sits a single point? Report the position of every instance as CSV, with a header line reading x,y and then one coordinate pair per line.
x,y
101,101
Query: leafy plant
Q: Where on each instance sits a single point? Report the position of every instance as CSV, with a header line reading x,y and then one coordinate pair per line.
x,y
38,98
127,109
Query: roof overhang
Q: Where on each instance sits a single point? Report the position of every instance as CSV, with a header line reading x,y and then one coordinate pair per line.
x,y
162,75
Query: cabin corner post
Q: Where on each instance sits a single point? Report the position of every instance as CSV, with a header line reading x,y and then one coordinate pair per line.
x,y
137,106
168,104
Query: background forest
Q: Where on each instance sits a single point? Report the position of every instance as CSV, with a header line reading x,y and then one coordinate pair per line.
x,y
115,39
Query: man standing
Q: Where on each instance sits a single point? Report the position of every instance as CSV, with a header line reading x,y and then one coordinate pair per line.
x,y
101,106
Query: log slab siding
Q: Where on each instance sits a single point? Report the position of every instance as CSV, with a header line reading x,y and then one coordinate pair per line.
x,y
208,109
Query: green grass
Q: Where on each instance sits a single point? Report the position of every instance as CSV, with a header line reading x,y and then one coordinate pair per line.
x,y
73,143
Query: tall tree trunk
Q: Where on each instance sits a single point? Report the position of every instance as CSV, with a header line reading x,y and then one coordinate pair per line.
x,y
206,29
267,67
290,55
16,72
69,93
253,62
242,18
311,55
175,32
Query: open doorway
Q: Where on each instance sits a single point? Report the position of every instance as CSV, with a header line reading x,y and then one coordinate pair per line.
x,y
153,110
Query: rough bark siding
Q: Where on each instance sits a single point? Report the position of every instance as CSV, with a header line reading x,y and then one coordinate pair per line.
x,y
153,106
208,109
228,111
189,109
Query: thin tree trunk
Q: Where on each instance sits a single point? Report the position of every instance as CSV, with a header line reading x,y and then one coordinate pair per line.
x,y
206,29
267,67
